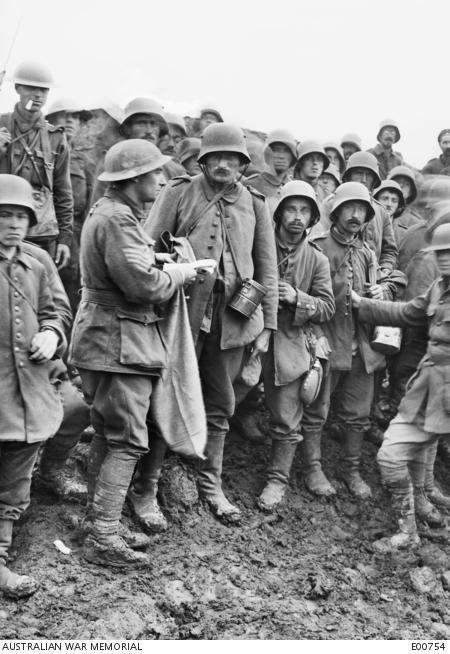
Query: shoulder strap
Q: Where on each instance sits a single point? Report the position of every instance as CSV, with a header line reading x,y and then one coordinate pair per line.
x,y
18,289
186,228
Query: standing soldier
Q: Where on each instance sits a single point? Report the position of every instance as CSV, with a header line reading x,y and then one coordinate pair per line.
x,y
388,134
440,165
188,151
352,360
405,178
37,151
336,155
423,414
350,143
306,298
229,223
116,345
311,163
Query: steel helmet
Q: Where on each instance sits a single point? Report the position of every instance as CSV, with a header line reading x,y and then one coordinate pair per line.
x,y
363,160
175,119
146,106
404,171
350,191
311,147
285,137
443,132
388,122
210,109
131,158
188,148
440,240
17,191
352,138
69,105
223,137
31,73
333,172
391,185
334,146
299,189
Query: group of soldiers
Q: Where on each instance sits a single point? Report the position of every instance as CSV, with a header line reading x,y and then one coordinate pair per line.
x,y
182,249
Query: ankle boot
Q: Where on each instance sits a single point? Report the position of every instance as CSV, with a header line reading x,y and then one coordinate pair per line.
x,y
352,443
310,451
210,481
432,489
282,455
403,508
142,496
104,545
11,584
425,510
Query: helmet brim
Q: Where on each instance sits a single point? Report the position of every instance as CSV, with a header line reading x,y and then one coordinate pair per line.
x,y
134,172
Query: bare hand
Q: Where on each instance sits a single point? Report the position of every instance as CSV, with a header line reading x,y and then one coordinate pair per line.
x,y
5,140
286,293
188,270
261,343
62,255
323,346
375,292
356,299
43,346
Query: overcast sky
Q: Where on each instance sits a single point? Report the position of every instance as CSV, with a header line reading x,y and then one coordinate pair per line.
x,y
318,68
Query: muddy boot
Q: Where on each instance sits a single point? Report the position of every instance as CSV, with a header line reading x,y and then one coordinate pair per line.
x,y
210,481
142,496
425,510
403,507
277,475
352,443
432,489
310,451
11,584
104,545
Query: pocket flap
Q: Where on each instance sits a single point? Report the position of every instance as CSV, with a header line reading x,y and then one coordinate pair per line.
x,y
144,317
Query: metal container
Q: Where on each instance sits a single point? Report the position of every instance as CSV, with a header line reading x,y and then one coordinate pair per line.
x,y
386,340
246,300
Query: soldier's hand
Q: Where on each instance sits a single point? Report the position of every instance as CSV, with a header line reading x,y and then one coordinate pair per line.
x,y
62,255
43,346
164,257
188,270
323,346
375,292
356,299
286,293
5,140
261,343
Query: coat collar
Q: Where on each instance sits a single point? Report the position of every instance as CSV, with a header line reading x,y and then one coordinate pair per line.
x,y
20,256
137,208
357,241
231,195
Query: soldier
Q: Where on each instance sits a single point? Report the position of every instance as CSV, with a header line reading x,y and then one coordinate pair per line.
x,y
311,163
404,176
177,132
388,134
306,298
31,408
188,151
69,114
280,154
37,151
352,360
440,165
336,155
116,345
423,414
350,143
330,179
231,224
389,194
208,115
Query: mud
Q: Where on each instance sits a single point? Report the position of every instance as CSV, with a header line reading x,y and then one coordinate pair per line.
x,y
305,572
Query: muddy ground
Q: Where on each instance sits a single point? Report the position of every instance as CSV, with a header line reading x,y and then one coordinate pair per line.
x,y
306,572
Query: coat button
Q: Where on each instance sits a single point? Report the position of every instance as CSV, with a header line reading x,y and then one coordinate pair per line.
x,y
16,308
18,336
21,365
17,321
16,349
16,294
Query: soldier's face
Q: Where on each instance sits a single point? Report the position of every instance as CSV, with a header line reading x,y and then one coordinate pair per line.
x,y
388,136
333,156
14,221
389,200
443,262
311,167
169,142
149,185
406,186
281,157
71,124
143,126
223,167
363,176
296,216
206,119
350,217
328,183
445,144
349,149
31,98
191,165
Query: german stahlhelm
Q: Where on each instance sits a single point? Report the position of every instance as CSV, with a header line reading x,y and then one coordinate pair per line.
x,y
131,158
298,189
146,106
352,192
362,160
31,73
16,191
223,137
